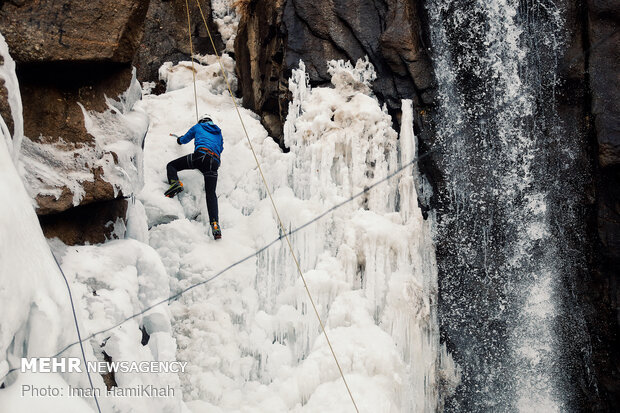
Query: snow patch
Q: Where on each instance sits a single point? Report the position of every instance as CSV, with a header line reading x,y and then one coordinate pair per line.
x,y
206,70
227,20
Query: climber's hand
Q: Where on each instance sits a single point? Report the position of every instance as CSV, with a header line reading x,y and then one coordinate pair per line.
x,y
178,138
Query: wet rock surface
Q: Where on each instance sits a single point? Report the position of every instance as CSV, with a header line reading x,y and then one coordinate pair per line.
x,y
604,34
581,185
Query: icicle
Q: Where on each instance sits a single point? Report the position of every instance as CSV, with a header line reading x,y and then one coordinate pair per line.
x,y
408,152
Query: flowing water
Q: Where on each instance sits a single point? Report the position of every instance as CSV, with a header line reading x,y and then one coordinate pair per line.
x,y
505,203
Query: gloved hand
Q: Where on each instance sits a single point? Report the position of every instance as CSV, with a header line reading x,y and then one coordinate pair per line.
x,y
178,138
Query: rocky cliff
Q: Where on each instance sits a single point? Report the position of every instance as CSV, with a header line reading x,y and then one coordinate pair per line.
x,y
601,289
166,37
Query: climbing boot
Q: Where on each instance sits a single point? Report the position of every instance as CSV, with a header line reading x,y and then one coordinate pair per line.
x,y
215,230
175,188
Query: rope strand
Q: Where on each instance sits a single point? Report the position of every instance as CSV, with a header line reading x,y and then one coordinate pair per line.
x,y
77,328
191,51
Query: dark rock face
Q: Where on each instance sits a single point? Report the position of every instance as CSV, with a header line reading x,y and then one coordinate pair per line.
x,y
51,93
88,224
260,47
601,291
49,30
604,17
166,37
274,36
5,109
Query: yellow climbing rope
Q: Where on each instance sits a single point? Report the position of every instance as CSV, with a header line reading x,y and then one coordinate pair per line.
x,y
260,170
191,50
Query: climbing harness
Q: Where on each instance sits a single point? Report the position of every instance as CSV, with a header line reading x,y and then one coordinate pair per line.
x,y
208,152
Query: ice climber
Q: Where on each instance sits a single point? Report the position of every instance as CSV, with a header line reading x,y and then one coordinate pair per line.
x,y
208,145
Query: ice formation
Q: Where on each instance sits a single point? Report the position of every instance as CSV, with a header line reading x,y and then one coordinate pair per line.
x,y
134,278
109,282
227,20
179,75
35,321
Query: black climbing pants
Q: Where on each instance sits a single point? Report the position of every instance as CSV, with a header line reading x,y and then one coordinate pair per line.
x,y
205,163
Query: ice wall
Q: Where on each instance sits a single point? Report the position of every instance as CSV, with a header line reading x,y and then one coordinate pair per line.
x,y
109,282
25,258
370,264
36,320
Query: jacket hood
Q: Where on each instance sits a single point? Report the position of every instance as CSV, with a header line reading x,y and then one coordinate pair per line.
x,y
211,128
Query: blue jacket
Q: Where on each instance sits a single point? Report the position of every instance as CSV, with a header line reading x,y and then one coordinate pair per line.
x,y
207,135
